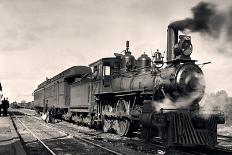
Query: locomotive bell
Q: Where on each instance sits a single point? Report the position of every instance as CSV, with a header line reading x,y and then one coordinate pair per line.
x,y
158,58
128,60
143,63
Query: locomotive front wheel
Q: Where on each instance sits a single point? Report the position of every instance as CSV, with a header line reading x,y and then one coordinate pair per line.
x,y
146,134
122,127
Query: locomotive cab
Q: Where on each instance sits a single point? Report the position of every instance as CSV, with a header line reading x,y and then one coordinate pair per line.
x,y
103,71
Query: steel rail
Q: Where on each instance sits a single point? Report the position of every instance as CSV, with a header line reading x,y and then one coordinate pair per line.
x,y
53,153
224,136
221,148
79,138
114,152
85,140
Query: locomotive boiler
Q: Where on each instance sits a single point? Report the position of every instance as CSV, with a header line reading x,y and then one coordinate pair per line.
x,y
124,94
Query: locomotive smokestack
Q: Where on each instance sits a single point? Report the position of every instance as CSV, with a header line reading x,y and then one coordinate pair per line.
x,y
172,39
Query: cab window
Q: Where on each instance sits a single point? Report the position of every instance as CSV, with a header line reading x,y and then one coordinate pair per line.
x,y
95,72
106,70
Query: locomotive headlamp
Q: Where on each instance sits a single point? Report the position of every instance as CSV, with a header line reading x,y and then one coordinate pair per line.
x,y
185,45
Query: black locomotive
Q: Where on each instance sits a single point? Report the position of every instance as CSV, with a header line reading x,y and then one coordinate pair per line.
x,y
124,94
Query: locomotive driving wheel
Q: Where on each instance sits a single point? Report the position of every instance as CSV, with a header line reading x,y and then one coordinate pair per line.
x,y
122,124
106,125
122,127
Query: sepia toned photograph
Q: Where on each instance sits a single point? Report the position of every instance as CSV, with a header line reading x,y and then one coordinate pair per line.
x,y
115,77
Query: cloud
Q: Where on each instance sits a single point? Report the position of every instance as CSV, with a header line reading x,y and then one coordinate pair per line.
x,y
16,47
17,41
30,37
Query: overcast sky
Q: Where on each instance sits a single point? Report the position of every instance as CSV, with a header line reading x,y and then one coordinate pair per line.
x,y
40,38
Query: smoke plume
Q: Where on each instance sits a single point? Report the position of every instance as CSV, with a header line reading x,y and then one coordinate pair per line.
x,y
180,103
207,19
218,102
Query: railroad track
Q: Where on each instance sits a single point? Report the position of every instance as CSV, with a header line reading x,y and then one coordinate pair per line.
x,y
84,140
135,143
223,137
225,141
217,150
33,134
93,137
131,144
52,152
147,147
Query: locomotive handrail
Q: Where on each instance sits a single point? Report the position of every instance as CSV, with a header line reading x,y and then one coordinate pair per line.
x,y
121,95
179,109
173,109
142,68
203,64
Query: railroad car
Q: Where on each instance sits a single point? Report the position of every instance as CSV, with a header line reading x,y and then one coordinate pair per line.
x,y
26,105
124,94
55,92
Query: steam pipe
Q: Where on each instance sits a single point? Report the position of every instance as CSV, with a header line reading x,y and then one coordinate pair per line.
x,y
172,39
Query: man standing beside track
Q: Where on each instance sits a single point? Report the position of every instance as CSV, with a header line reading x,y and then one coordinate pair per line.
x,y
0,107
1,98
5,106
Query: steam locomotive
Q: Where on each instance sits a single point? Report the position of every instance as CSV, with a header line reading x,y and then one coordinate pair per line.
x,y
124,94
